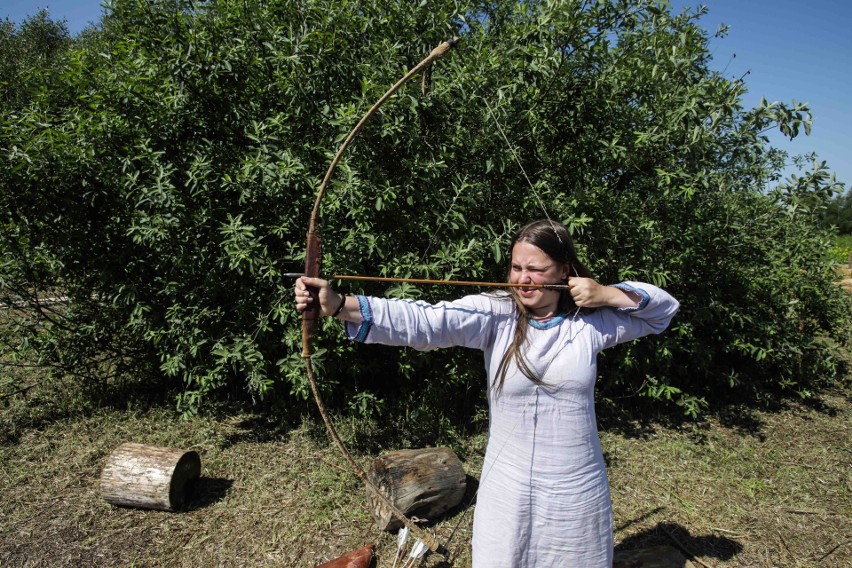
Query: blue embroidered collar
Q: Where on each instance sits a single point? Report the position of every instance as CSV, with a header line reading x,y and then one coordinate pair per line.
x,y
549,323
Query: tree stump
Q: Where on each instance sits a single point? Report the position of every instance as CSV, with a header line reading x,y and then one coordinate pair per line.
x,y
149,477
423,483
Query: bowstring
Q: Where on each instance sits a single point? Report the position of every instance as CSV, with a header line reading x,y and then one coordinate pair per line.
x,y
483,474
543,207
441,224
521,166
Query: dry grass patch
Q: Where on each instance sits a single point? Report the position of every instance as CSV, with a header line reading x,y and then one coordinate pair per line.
x,y
747,488
258,502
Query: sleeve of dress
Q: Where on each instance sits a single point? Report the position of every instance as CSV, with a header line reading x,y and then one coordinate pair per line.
x,y
468,322
653,314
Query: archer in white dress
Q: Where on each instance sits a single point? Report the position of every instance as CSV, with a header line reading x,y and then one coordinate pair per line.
x,y
543,499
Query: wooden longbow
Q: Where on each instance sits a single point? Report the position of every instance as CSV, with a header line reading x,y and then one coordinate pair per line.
x,y
310,316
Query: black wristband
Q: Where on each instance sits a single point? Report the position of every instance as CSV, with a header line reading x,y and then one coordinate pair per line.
x,y
340,307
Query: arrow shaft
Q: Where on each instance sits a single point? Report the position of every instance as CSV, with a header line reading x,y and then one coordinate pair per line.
x,y
429,281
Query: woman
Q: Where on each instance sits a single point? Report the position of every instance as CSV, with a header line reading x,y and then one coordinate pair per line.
x,y
543,498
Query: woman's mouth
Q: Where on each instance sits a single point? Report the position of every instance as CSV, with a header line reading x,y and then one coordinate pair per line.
x,y
526,292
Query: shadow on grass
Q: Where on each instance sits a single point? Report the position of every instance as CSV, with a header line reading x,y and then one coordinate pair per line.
x,y
206,491
50,400
641,419
263,426
673,534
663,534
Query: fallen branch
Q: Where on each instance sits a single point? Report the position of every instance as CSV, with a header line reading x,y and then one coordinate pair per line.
x,y
19,391
830,552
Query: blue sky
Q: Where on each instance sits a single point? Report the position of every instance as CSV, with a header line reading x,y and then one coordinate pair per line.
x,y
793,50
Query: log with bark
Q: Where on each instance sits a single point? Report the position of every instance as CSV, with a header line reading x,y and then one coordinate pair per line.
x,y
149,477
422,483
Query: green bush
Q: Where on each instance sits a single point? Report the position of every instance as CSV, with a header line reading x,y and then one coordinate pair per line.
x,y
838,214
842,249
163,183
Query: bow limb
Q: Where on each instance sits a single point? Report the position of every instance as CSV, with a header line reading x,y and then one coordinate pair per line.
x,y
314,245
310,316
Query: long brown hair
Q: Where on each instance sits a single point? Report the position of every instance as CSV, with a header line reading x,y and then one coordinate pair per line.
x,y
553,239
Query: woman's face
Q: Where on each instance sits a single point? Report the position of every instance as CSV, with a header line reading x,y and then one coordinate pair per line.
x,y
531,265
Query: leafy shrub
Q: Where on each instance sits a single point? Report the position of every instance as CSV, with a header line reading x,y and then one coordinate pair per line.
x,y
838,213
163,184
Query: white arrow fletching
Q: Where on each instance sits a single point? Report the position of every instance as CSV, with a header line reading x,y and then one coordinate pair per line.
x,y
419,549
402,538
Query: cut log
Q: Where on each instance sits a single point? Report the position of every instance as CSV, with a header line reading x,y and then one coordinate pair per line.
x,y
361,558
423,483
149,477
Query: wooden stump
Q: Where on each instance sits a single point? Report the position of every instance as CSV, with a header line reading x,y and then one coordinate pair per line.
x,y
422,483
149,477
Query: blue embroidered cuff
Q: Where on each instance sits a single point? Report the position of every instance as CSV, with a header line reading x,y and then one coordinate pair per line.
x,y
360,331
628,288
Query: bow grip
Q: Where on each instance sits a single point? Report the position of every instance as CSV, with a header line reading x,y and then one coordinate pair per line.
x,y
310,317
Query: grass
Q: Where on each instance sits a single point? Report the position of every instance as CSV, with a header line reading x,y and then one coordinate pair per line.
x,y
745,488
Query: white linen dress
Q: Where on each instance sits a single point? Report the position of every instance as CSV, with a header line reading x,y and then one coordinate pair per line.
x,y
543,498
